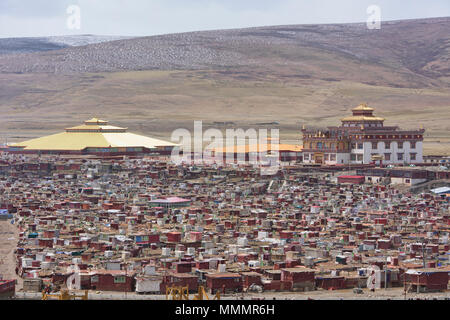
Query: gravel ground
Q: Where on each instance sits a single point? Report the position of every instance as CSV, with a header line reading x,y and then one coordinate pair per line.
x,y
381,294
9,236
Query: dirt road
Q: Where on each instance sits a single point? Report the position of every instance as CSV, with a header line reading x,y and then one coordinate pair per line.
x,y
380,294
9,236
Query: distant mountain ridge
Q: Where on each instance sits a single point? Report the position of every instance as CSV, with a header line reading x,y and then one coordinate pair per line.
x,y
278,76
405,53
39,44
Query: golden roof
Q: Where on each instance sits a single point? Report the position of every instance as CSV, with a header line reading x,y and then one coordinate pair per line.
x,y
82,140
247,148
94,127
363,107
96,121
362,118
95,136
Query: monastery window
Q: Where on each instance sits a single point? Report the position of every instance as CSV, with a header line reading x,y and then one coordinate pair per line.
x,y
360,157
413,144
387,145
353,157
412,156
333,157
374,145
387,156
319,145
360,145
400,144
119,279
399,156
353,145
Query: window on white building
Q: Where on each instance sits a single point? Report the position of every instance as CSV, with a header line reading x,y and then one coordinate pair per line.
x,y
360,145
387,156
399,156
374,145
387,145
413,144
412,156
333,157
353,157
400,145
360,157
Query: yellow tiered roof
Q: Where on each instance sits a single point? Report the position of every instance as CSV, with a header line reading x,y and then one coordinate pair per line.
x,y
363,107
92,136
365,115
96,121
246,148
362,118
94,127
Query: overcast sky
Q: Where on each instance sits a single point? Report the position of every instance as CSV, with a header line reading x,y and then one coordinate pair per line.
x,y
20,18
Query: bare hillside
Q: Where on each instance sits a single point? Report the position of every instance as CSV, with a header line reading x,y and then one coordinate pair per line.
x,y
282,76
39,44
408,53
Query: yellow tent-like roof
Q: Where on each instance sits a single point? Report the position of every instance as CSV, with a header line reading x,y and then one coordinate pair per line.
x,y
362,113
363,107
94,133
362,118
247,148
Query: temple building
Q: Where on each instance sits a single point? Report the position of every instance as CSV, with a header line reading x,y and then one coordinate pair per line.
x,y
361,139
286,152
96,137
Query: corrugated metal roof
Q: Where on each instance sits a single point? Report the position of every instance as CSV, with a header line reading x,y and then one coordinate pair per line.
x,y
441,190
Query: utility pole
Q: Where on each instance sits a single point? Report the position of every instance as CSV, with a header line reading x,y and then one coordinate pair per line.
x,y
423,253
404,282
126,276
385,274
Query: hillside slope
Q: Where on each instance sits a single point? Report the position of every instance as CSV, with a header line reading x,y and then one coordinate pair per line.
x,y
408,53
39,44
274,77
